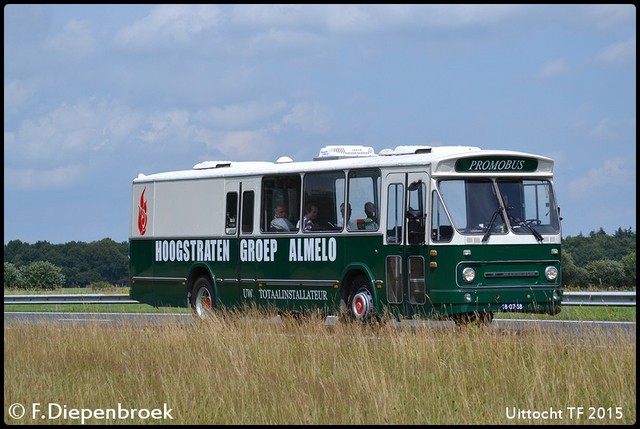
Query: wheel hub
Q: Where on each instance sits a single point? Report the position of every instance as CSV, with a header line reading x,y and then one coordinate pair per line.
x,y
362,305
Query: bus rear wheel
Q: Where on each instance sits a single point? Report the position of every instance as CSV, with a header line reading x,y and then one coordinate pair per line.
x,y
202,297
360,301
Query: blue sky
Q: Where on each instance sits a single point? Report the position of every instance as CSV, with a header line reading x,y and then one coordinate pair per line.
x,y
95,94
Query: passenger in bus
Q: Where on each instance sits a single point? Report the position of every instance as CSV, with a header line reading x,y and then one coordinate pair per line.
x,y
281,222
352,224
309,219
371,222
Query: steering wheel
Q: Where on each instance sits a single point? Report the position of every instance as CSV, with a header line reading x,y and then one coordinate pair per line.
x,y
533,222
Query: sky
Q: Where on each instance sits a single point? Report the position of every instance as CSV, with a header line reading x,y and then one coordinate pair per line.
x,y
96,94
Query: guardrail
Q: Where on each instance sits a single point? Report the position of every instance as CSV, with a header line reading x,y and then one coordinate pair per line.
x,y
610,299
70,298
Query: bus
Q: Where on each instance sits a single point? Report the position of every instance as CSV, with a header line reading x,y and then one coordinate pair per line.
x,y
431,232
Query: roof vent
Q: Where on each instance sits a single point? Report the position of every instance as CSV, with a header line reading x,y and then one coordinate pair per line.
x,y
346,151
206,165
404,150
284,160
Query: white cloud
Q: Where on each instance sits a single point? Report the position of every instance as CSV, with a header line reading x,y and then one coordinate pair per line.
x,y
608,16
462,15
618,53
273,15
70,130
240,145
75,38
604,130
170,24
612,172
283,39
28,179
237,116
166,125
311,117
17,93
552,69
236,132
349,18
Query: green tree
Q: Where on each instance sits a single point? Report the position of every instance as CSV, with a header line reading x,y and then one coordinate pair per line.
x,y
629,267
584,249
42,275
12,276
81,263
605,273
111,261
572,275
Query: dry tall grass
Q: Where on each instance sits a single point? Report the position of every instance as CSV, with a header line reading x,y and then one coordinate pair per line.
x,y
236,370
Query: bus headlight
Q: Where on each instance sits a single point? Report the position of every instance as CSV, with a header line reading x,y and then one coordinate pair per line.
x,y
468,274
551,273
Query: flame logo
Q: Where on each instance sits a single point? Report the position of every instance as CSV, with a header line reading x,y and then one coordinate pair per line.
x,y
142,214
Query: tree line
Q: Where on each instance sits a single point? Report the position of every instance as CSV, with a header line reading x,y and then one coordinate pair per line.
x,y
81,264
598,260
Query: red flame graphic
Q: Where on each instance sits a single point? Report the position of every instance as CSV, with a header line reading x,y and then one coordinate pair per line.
x,y
142,214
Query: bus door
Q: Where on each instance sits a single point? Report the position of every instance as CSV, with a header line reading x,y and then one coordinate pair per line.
x,y
237,279
226,273
248,261
405,235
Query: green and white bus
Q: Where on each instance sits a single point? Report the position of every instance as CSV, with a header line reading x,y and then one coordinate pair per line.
x,y
450,232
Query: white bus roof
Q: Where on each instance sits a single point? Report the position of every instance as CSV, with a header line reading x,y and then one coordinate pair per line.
x,y
345,157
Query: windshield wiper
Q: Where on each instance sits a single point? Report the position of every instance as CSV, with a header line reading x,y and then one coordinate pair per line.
x,y
535,233
491,222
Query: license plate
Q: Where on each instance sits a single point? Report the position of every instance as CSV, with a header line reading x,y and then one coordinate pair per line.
x,y
511,307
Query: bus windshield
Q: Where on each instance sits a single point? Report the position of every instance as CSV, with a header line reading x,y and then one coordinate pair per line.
x,y
478,206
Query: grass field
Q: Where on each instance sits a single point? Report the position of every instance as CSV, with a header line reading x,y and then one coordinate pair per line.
x,y
229,370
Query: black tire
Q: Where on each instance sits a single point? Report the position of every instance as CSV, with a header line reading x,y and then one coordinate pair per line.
x,y
202,297
360,302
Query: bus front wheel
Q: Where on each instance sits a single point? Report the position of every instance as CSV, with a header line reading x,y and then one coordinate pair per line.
x,y
202,297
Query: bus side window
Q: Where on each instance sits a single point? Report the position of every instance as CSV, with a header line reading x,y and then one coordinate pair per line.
x,y
395,202
441,228
231,212
247,212
280,193
416,215
364,196
323,190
